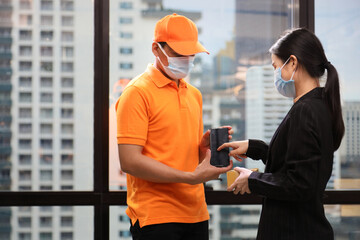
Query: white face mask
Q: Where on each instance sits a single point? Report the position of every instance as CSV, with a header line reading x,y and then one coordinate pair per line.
x,y
179,67
285,88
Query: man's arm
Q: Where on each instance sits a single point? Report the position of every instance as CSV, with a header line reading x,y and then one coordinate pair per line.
x,y
133,162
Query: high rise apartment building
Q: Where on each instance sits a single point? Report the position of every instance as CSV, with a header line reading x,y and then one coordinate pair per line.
x,y
5,111
51,109
350,146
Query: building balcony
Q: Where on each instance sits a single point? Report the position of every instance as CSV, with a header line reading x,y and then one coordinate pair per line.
x,y
6,8
6,102
5,87
5,150
6,40
6,119
5,70
5,55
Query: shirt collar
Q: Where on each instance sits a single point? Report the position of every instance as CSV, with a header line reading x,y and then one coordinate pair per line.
x,y
160,80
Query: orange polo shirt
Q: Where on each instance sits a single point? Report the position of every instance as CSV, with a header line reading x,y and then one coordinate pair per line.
x,y
167,121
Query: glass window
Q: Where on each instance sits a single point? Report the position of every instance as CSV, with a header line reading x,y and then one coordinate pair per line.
x,y
46,128
67,144
24,222
126,35
46,36
46,51
67,21
67,98
46,20
24,175
25,4
46,113
67,36
126,66
25,97
25,159
46,175
46,97
126,5
67,5
66,221
25,128
66,159
125,20
46,82
25,112
46,159
126,50
67,67
67,113
66,175
46,66
25,35
45,236
25,20
25,50
67,52
46,143
45,221
25,66
67,82
46,5
24,236
336,26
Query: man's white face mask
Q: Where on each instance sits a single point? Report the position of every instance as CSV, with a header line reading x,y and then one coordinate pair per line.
x,y
179,67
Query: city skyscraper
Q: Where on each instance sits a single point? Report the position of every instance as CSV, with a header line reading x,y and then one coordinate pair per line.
x,y
51,112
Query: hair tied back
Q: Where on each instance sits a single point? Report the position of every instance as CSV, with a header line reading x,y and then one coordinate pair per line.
x,y
327,65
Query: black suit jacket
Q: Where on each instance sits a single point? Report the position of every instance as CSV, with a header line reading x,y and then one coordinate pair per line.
x,y
299,163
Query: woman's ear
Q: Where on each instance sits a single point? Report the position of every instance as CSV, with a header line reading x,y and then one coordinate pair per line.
x,y
294,61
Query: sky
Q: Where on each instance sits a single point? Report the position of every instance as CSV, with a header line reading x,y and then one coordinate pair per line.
x,y
337,24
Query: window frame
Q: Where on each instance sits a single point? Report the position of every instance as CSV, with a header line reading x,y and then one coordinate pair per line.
x,y
101,198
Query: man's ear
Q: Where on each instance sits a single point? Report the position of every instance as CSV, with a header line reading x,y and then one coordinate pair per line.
x,y
154,48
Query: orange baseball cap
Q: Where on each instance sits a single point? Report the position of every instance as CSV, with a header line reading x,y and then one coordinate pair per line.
x,y
180,33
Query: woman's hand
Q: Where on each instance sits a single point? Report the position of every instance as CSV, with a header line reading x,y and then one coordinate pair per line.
x,y
205,142
239,149
205,171
241,183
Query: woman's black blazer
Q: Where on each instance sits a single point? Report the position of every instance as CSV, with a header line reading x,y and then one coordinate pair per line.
x,y
299,162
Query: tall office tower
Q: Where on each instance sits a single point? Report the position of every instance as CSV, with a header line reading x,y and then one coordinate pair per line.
x,y
257,26
350,146
265,107
132,24
52,113
5,113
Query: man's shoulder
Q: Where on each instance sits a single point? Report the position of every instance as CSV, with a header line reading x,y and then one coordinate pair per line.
x,y
141,81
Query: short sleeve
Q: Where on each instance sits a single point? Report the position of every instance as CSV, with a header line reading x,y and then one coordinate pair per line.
x,y
132,117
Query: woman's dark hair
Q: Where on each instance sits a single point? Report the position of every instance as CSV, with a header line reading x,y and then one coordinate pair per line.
x,y
310,55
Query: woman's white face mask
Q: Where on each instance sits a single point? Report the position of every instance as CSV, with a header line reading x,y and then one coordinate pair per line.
x,y
285,88
179,67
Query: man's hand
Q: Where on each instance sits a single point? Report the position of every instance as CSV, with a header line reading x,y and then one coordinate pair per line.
x,y
205,171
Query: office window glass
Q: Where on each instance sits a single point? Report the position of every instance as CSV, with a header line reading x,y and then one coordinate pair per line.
x,y
39,111
336,25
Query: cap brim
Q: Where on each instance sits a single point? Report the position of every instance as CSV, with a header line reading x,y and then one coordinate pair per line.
x,y
187,48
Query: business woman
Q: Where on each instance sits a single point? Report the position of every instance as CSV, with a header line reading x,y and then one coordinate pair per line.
x,y
299,158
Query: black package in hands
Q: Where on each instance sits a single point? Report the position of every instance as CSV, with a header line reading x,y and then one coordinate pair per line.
x,y
219,136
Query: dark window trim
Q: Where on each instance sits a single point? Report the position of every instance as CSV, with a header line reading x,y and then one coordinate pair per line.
x,y
101,198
